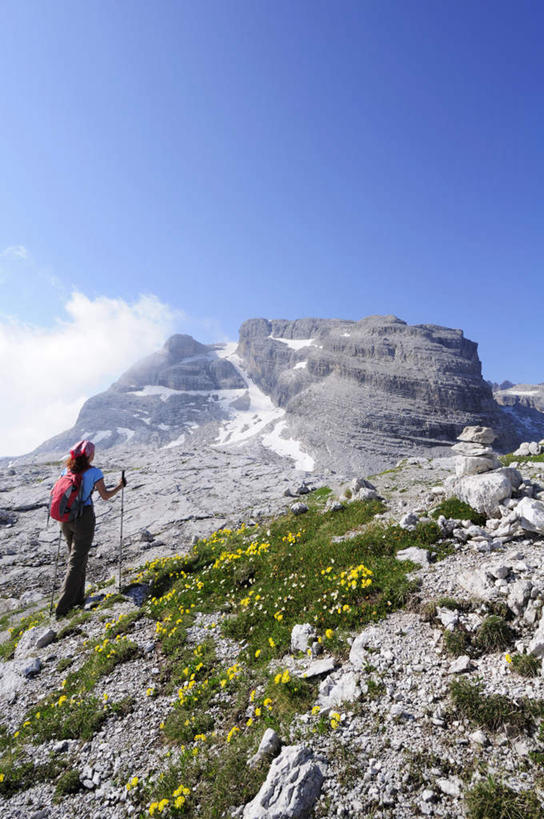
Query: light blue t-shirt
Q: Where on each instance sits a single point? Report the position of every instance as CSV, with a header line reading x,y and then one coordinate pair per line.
x,y
90,477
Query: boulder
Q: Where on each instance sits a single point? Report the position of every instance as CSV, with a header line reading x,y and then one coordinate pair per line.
x,y
335,690
299,508
473,450
523,449
461,665
291,788
301,637
475,465
483,492
360,483
371,636
530,513
320,667
35,638
11,681
536,646
408,521
514,475
477,435
270,745
414,554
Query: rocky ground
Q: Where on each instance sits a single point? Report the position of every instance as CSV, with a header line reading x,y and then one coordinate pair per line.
x,y
386,735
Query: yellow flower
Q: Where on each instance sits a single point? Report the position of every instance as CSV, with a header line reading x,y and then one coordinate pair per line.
x,y
1,777
329,633
150,692
249,722
257,652
271,642
258,712
316,709
105,697
508,658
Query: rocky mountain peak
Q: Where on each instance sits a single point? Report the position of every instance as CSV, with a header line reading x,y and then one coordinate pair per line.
x,y
328,393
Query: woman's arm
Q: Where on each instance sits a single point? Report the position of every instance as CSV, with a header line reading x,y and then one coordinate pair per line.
x,y
106,494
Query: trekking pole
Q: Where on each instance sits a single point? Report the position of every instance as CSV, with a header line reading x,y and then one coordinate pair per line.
x,y
121,533
55,575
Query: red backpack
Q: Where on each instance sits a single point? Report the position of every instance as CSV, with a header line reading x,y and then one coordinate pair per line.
x,y
66,497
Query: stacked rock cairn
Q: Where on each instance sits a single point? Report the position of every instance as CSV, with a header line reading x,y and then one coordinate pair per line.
x,y
474,451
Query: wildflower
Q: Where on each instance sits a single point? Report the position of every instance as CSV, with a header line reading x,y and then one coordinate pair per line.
x,y
271,642
150,692
257,653
105,697
234,730
316,709
1,777
329,633
249,723
508,658
258,712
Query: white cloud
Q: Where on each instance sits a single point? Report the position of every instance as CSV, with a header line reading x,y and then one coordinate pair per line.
x,y
47,373
15,252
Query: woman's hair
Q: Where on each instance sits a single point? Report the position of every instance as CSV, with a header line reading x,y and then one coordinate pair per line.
x,y
78,464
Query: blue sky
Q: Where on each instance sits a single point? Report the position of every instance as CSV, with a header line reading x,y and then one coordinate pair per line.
x,y
239,159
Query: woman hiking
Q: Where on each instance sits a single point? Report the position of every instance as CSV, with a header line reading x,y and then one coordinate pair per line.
x,y
79,532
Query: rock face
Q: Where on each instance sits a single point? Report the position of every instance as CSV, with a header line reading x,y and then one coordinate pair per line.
x,y
330,393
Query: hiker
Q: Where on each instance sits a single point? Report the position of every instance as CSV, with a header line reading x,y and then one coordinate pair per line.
x,y
79,532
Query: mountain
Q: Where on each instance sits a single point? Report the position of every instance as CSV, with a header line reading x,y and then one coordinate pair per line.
x,y
326,393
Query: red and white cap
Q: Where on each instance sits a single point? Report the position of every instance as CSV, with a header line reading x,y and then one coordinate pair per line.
x,y
83,448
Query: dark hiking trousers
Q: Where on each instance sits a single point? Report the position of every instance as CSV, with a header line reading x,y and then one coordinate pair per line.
x,y
79,537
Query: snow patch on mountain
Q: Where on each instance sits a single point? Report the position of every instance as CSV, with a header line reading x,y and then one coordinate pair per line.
x,y
288,447
295,343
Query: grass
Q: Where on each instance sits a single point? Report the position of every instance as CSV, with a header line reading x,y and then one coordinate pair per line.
x,y
459,510
526,665
68,783
255,584
493,711
21,773
456,643
7,649
491,799
494,634
522,459
268,582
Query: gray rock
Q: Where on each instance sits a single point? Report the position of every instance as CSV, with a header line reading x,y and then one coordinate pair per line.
x,y
448,618
299,508
301,637
531,514
319,668
11,681
477,435
460,665
415,555
337,689
33,639
269,746
33,668
358,656
408,521
483,492
475,465
451,786
291,788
